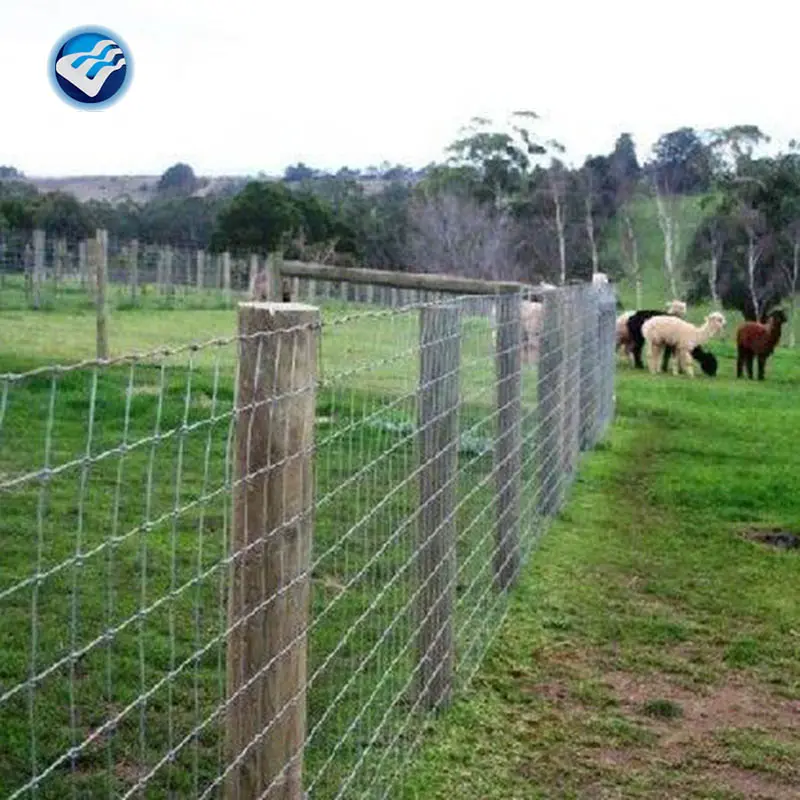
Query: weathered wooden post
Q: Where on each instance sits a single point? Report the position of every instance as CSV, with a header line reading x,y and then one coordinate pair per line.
x,y
508,445
548,445
201,268
133,266
98,261
440,355
37,276
273,496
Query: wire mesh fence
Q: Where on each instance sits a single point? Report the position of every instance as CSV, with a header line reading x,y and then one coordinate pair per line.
x,y
258,566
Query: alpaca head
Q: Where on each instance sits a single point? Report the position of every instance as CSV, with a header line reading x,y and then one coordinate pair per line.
x,y
677,307
708,363
778,316
715,321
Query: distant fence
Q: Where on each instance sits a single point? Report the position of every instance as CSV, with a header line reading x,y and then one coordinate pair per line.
x,y
256,566
51,268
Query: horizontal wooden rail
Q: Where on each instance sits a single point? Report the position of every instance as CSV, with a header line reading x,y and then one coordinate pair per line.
x,y
401,280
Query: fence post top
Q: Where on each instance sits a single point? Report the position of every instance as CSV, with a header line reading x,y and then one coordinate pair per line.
x,y
273,306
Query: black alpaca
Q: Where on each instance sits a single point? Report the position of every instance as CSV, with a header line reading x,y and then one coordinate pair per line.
x,y
635,322
707,361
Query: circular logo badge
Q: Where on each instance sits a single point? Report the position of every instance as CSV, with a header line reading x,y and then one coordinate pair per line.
x,y
90,67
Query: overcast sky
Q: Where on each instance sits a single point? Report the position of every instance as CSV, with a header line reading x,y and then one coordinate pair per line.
x,y
238,86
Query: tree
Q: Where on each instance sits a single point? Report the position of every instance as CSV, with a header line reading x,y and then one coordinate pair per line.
x,y
623,161
557,180
455,233
179,179
260,219
9,173
62,215
298,173
682,162
501,160
755,213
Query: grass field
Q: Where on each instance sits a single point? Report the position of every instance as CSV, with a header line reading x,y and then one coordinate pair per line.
x,y
651,650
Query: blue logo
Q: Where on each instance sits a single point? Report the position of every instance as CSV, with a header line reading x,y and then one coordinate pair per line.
x,y
90,67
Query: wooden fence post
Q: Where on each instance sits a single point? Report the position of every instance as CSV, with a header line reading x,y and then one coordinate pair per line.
x,y
59,263
548,396
83,264
99,262
133,262
251,284
268,609
508,445
589,369
440,357
226,275
201,268
571,384
169,278
38,267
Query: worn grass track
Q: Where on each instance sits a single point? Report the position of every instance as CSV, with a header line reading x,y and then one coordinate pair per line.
x,y
651,650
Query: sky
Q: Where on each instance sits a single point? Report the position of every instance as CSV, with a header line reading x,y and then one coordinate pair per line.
x,y
242,86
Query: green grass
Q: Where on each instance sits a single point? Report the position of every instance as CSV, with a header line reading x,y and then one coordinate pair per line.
x,y
133,543
650,650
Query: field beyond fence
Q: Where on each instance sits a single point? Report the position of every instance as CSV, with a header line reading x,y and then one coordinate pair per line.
x,y
260,565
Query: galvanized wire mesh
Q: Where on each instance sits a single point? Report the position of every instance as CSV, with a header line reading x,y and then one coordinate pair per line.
x,y
261,565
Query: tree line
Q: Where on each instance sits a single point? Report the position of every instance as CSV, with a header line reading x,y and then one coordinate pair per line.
x,y
503,204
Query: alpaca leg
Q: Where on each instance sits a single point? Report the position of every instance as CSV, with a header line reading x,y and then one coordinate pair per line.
x,y
637,355
762,363
677,363
739,361
654,357
668,351
748,363
686,362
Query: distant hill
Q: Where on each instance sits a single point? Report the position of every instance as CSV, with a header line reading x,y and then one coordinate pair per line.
x,y
142,188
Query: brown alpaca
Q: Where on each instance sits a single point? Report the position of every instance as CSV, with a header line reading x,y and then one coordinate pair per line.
x,y
757,340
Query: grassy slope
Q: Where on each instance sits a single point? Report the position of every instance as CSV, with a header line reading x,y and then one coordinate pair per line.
x,y
650,242
650,650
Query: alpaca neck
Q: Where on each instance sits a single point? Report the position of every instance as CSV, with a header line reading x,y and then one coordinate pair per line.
x,y
704,333
773,331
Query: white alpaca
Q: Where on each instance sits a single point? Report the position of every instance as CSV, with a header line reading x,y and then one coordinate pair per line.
x,y
531,317
663,331
599,279
531,313
676,307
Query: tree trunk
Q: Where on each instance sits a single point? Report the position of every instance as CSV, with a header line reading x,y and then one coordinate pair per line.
x,y
562,246
590,234
667,225
752,262
636,272
795,275
713,276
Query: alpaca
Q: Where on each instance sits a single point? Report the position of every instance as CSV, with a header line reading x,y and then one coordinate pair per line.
x,y
756,339
667,331
638,318
531,313
623,335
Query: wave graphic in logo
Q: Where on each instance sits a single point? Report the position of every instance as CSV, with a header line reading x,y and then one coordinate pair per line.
x,y
90,67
